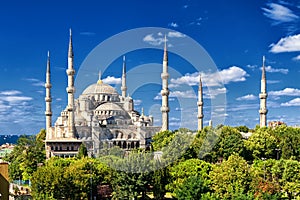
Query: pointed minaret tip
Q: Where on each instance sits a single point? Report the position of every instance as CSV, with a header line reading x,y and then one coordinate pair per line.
x,y
263,68
70,53
48,62
165,49
48,54
124,64
70,31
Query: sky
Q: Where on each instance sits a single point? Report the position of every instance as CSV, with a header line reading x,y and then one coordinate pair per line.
x,y
233,35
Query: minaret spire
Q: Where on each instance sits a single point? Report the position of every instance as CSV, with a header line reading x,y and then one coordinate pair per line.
x,y
165,90
70,90
263,97
200,105
48,98
124,87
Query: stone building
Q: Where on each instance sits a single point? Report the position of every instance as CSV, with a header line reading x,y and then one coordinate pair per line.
x,y
100,117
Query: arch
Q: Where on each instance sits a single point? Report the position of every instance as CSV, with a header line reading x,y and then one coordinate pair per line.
x,y
124,145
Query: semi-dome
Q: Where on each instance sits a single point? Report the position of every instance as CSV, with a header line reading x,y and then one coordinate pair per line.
x,y
108,107
100,88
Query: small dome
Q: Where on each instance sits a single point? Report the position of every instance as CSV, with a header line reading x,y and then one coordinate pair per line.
x,y
100,88
108,106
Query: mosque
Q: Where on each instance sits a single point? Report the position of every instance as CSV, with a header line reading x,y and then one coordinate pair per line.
x,y
101,118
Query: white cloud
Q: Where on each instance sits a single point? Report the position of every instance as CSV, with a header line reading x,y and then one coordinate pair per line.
x,y
185,6
35,82
10,92
293,102
251,66
176,34
173,24
212,93
286,44
247,97
179,94
232,74
14,99
279,13
152,40
297,57
137,102
273,81
112,80
273,70
286,92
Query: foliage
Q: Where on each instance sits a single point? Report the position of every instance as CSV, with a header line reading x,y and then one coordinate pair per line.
x,y
192,188
180,172
69,178
262,143
82,151
162,139
230,177
27,154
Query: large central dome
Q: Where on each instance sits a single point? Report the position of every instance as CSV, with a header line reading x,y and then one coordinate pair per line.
x,y
99,88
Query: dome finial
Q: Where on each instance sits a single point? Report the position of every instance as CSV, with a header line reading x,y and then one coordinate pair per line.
x,y
99,78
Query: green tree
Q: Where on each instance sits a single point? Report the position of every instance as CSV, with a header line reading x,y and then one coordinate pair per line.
x,y
189,168
162,139
262,143
231,177
192,188
82,151
27,154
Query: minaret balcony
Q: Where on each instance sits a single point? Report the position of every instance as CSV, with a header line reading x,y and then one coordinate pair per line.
x,y
48,99
48,113
164,92
164,109
165,75
200,116
200,103
263,111
48,85
263,95
70,89
70,72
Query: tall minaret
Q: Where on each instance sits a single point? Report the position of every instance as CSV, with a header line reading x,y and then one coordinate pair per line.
x,y
124,87
200,106
165,91
70,90
263,98
48,98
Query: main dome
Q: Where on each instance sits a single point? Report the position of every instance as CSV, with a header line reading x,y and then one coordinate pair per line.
x,y
99,88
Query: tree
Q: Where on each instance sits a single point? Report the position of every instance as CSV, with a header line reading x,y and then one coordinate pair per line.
x,y
180,172
231,177
27,154
192,188
82,151
159,182
262,143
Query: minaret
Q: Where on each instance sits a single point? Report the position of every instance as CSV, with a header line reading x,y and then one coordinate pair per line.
x,y
124,87
70,90
263,98
48,98
200,106
165,91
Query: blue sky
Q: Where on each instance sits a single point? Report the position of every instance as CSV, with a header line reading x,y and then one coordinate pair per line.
x,y
236,34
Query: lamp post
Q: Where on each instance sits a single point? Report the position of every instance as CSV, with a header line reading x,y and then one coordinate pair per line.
x,y
277,153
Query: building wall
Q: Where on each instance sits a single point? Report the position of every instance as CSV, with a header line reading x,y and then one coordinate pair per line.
x,y
4,182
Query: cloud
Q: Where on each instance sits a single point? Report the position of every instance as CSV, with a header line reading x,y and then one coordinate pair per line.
x,y
176,34
10,92
185,6
248,97
251,66
273,70
273,81
137,102
286,44
35,82
297,57
212,93
279,14
14,99
152,40
112,80
173,24
293,102
286,92
232,74
189,94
